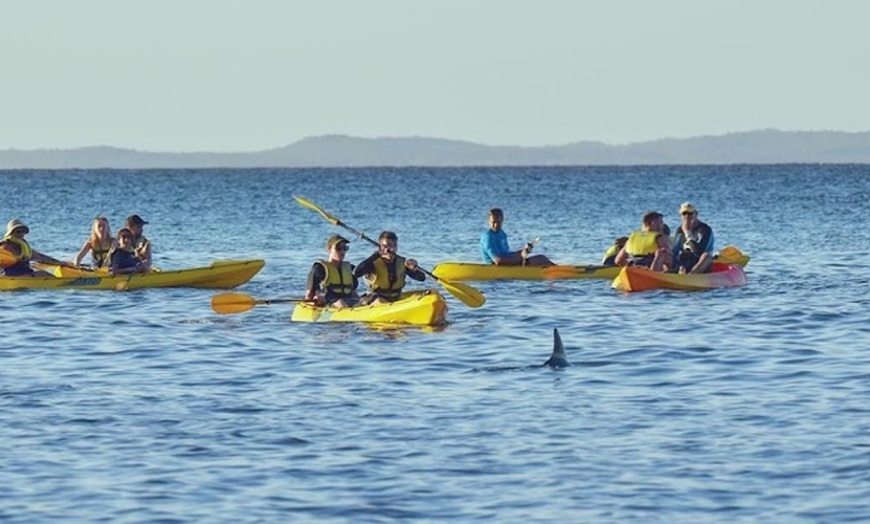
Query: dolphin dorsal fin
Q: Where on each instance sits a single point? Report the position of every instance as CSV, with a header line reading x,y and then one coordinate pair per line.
x,y
558,359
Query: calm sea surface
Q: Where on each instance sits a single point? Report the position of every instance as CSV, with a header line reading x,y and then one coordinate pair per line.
x,y
748,404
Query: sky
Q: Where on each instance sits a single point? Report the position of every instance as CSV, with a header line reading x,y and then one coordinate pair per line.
x,y
249,75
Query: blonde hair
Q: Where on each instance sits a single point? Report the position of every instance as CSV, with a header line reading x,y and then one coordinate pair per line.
x,y
95,239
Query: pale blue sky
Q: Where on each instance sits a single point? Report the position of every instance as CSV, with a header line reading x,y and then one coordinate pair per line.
x,y
221,75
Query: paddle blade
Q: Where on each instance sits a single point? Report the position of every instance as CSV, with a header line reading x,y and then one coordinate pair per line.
x,y
732,255
230,303
310,205
466,294
7,259
556,272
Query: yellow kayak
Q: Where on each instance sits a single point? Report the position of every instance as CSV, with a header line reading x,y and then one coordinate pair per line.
x,y
459,271
420,308
221,274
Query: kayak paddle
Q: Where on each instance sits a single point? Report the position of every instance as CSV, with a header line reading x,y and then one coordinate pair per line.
x,y
466,294
231,303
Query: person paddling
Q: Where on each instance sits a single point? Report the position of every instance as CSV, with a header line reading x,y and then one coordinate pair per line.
x,y
495,250
385,271
331,281
15,244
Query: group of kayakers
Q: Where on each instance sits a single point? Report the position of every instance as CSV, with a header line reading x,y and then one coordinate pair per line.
x,y
334,281
690,250
129,252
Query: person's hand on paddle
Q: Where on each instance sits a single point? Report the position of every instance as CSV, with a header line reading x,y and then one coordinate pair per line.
x,y
411,264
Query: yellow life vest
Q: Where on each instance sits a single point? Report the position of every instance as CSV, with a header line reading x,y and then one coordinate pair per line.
x,y
338,282
642,243
611,251
100,253
381,283
23,246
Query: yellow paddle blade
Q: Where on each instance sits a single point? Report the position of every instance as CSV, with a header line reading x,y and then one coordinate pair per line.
x,y
311,205
7,259
466,294
556,272
230,303
732,255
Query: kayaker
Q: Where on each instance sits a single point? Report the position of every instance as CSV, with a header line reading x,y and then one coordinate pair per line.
x,y
141,245
331,281
609,258
98,244
385,271
693,242
649,246
495,250
15,244
122,258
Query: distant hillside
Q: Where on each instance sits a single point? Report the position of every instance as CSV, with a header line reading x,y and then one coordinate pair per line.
x,y
753,147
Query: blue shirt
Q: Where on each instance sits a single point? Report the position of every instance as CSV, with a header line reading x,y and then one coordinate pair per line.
x,y
493,245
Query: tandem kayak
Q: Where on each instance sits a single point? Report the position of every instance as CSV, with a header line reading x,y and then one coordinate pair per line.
x,y
420,308
638,278
459,271
221,274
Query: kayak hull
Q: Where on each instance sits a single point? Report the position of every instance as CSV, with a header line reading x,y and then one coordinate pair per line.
x,y
420,308
465,271
221,274
637,278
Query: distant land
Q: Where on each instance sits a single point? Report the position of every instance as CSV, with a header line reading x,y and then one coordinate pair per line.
x,y
767,146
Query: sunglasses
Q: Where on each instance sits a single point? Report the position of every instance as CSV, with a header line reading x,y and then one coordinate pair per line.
x,y
687,213
342,247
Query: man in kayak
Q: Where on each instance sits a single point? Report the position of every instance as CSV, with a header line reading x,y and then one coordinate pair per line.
x,y
19,253
385,271
141,245
649,246
495,250
693,243
331,281
122,258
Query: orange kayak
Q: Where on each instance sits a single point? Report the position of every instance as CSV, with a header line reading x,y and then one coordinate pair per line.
x,y
638,278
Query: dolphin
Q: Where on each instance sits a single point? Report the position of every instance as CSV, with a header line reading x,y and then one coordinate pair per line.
x,y
558,359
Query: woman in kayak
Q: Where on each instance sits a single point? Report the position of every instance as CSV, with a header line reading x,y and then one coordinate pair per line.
x,y
331,281
98,244
385,271
20,252
122,259
649,246
494,246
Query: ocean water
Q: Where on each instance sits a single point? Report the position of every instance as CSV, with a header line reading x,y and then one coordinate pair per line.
x,y
735,405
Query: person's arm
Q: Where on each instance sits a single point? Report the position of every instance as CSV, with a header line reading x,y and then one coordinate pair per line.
x,y
367,266
45,259
413,270
315,277
706,257
82,252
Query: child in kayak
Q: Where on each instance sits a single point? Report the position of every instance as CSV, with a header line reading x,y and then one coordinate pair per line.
x,y
122,259
98,244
